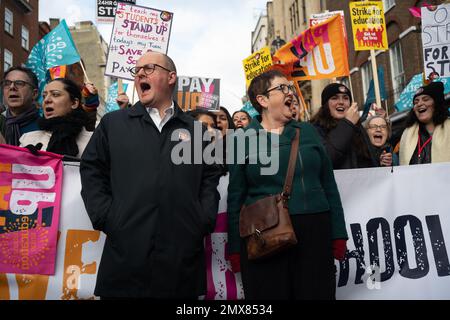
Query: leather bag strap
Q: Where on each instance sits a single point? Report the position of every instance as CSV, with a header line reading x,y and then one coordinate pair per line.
x,y
291,167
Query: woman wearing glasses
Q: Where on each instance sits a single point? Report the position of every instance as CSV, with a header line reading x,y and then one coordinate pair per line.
x,y
338,123
379,131
63,126
306,270
426,138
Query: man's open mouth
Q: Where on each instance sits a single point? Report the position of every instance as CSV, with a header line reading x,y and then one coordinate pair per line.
x,y
145,87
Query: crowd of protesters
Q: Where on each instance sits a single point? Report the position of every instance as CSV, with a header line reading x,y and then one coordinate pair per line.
x,y
154,246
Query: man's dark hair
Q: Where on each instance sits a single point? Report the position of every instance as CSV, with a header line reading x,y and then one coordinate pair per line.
x,y
259,86
31,76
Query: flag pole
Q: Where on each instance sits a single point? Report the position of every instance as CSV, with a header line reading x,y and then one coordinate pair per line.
x,y
119,86
375,78
132,99
84,71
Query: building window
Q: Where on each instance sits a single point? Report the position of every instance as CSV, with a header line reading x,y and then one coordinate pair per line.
x,y
367,76
388,4
25,38
323,5
304,11
397,71
297,13
9,21
8,61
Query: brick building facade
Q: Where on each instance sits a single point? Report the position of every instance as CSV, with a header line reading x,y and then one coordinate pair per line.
x,y
401,62
19,21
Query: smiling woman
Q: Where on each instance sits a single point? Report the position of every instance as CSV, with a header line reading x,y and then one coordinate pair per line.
x,y
63,126
338,123
426,138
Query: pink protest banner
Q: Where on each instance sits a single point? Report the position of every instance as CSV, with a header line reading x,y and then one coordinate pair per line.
x,y
30,199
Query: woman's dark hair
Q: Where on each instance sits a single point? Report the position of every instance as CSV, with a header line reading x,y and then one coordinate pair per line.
x,y
201,112
242,111
31,75
230,120
324,119
259,86
72,88
440,114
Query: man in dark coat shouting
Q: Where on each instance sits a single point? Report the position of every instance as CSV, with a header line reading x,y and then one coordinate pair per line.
x,y
154,211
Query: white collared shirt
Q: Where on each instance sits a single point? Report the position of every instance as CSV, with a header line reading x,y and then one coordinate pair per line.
x,y
154,114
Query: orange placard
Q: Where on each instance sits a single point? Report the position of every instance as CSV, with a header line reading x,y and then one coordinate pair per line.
x,y
317,53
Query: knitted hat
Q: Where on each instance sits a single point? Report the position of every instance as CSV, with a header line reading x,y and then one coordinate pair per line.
x,y
434,90
332,90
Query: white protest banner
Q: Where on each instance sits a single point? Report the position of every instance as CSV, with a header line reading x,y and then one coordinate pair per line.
x,y
399,233
436,40
78,254
197,93
106,10
136,30
397,249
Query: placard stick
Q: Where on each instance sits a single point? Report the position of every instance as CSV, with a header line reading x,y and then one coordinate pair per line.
x,y
84,71
375,78
119,86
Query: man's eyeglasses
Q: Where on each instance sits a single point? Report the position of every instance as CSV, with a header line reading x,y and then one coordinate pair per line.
x,y
18,84
148,69
375,126
285,88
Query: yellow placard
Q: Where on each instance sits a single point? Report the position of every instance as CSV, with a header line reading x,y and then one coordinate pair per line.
x,y
368,25
256,64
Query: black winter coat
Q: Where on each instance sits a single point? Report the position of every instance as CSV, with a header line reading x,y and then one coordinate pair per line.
x,y
155,213
347,145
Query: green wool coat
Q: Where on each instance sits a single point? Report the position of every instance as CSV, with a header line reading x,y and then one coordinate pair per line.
x,y
314,187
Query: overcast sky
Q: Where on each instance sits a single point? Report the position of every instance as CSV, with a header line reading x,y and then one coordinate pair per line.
x,y
209,38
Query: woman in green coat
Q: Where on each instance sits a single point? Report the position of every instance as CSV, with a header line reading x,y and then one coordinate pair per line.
x,y
306,270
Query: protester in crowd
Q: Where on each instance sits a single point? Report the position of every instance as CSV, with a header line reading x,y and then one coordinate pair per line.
x,y
338,123
206,117
63,127
154,212
379,131
426,138
241,119
19,88
224,121
305,271
295,107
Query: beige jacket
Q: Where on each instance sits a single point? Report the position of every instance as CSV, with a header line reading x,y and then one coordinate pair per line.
x,y
440,146
43,137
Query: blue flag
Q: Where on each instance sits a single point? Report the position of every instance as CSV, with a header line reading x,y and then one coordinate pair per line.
x,y
55,49
371,93
111,104
250,109
405,101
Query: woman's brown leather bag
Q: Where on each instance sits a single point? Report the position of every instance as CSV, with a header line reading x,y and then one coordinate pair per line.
x,y
266,224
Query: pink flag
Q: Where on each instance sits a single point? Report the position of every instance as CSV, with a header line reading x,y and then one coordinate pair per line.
x,y
30,200
416,11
